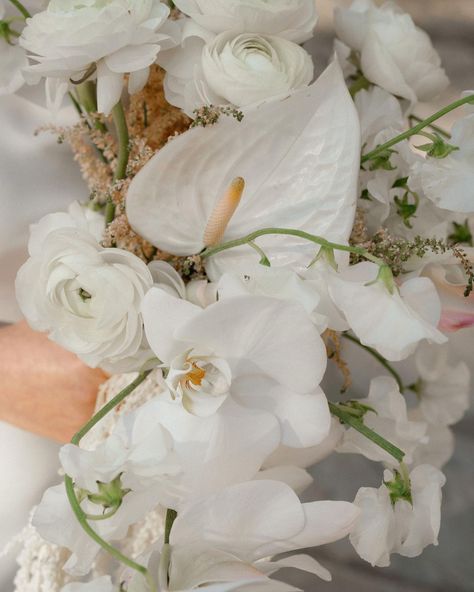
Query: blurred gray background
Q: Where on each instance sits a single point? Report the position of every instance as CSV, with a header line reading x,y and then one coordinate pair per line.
x,y
450,566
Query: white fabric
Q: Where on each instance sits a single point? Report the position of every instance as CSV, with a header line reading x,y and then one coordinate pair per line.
x,y
37,176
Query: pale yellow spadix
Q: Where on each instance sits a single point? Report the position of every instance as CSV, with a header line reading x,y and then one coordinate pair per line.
x,y
223,212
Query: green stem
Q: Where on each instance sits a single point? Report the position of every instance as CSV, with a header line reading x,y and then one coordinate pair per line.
x,y
358,425
71,493
171,516
120,121
415,130
378,357
434,127
21,8
208,252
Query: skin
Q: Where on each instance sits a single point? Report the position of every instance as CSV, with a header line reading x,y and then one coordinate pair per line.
x,y
44,389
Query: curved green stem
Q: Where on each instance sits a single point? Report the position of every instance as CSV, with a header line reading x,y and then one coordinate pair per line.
x,y
356,423
378,357
81,516
434,127
26,13
120,122
415,130
208,252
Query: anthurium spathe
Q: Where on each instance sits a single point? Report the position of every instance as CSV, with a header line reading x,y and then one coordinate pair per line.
x,y
262,352
299,158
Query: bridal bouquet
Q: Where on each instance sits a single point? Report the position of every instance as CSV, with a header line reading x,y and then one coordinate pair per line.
x,y
244,222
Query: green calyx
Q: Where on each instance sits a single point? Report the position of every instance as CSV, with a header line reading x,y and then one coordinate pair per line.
x,y
438,147
109,495
385,276
328,255
382,160
6,32
400,487
461,234
357,409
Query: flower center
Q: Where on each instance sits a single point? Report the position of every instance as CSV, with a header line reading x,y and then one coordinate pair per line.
x,y
195,376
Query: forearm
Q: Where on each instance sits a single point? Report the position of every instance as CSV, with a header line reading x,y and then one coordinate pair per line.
x,y
44,389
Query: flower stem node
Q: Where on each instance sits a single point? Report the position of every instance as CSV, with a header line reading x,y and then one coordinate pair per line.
x,y
400,487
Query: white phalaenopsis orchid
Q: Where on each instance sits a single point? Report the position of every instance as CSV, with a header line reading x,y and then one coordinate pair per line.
x,y
449,181
387,416
274,362
291,19
211,544
443,388
393,52
241,69
299,159
86,297
407,525
392,323
75,40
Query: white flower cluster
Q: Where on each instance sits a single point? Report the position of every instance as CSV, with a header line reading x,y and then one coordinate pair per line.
x,y
267,206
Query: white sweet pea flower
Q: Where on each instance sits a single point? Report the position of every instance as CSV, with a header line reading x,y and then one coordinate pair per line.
x,y
389,419
292,19
394,53
303,150
70,41
236,531
449,182
242,69
378,110
393,324
133,471
443,388
437,446
103,584
400,527
12,57
274,362
86,297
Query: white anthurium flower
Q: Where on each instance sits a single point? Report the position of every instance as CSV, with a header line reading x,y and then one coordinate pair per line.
x,y
276,282
103,584
129,474
438,445
443,389
274,362
389,418
393,324
292,19
87,298
70,41
304,151
402,527
239,69
248,534
449,182
394,53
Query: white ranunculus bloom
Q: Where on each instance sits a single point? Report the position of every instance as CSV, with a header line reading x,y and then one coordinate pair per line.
x,y
394,53
86,297
274,362
303,150
393,324
443,388
242,69
402,528
109,39
103,584
292,19
390,420
449,182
